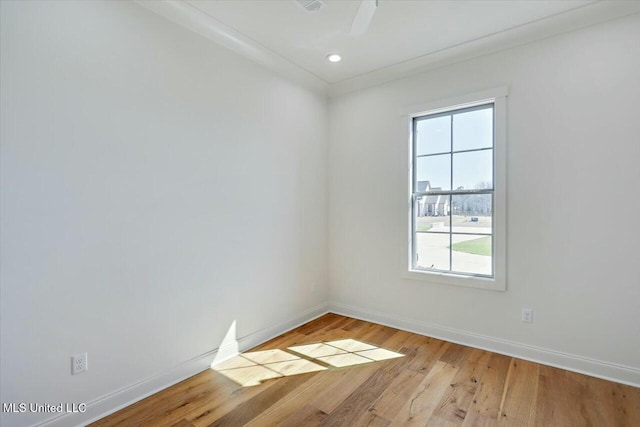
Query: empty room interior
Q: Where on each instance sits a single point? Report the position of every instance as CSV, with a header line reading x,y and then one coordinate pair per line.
x,y
320,213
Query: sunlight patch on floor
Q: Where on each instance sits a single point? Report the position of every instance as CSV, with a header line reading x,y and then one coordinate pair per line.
x,y
342,360
269,356
249,369
351,345
379,354
317,350
347,352
252,368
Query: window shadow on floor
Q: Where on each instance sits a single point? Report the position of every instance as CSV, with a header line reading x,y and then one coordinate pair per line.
x,y
252,368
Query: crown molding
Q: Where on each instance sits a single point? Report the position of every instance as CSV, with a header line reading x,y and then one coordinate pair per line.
x,y
192,18
574,19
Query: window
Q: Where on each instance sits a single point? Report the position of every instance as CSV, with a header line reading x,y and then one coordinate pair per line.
x,y
457,191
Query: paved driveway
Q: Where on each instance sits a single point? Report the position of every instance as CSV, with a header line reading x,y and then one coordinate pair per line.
x,y
433,252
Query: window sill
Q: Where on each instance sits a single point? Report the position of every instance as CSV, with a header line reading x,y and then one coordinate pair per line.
x,y
493,284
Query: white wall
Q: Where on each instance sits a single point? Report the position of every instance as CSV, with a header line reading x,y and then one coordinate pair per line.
x,y
155,188
573,201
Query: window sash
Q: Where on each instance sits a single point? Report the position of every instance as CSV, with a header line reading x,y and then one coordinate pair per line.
x,y
451,193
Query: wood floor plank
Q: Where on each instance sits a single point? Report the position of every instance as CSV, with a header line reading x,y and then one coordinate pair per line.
x,y
356,326
212,408
436,421
455,354
518,405
398,340
353,378
320,323
168,407
288,407
565,397
427,354
360,400
476,419
382,335
599,409
397,394
426,382
560,397
335,395
308,415
626,402
253,407
369,419
193,398
403,387
419,407
486,401
457,401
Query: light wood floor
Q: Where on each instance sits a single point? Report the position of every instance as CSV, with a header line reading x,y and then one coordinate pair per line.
x,y
434,383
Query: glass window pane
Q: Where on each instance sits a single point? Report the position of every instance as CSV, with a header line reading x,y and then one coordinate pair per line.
x,y
433,172
473,129
432,213
471,254
473,170
471,213
433,135
432,251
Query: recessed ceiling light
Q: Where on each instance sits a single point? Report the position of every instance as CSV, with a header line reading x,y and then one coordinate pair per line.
x,y
334,57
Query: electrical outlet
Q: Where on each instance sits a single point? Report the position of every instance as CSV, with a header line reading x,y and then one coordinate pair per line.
x,y
527,315
78,363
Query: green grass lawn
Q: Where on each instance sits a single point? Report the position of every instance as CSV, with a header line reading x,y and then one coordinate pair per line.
x,y
481,246
424,223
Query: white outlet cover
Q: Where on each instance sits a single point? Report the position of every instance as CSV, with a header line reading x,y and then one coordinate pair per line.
x,y
527,315
79,363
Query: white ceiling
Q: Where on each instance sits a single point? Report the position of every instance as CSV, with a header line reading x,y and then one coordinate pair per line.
x,y
404,36
399,31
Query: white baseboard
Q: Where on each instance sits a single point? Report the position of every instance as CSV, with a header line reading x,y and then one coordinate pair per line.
x,y
118,399
584,365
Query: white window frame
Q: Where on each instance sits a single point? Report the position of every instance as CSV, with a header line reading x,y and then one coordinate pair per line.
x,y
497,96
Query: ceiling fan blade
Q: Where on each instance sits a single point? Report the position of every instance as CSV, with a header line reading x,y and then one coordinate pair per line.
x,y
363,17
